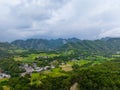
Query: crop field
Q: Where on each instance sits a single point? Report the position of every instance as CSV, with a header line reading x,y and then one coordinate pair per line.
x,y
28,59
31,57
66,67
37,77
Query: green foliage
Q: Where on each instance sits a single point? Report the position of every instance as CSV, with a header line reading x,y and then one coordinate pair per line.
x,y
75,67
20,83
93,66
104,76
10,66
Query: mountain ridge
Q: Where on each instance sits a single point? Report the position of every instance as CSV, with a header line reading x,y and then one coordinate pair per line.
x,y
104,46
100,45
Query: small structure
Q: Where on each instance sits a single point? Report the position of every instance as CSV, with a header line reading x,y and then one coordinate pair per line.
x,y
52,66
3,75
46,67
34,68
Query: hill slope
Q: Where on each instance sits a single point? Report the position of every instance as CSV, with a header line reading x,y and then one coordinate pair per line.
x,y
109,45
42,44
4,49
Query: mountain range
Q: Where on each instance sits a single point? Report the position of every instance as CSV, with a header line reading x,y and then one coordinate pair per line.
x,y
104,45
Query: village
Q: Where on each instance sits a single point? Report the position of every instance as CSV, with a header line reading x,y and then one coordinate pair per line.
x,y
4,75
29,69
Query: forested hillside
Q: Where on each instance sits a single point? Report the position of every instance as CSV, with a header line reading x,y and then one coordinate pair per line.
x,y
42,44
5,49
109,45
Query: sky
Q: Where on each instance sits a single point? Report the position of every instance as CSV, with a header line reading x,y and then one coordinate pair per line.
x,y
51,19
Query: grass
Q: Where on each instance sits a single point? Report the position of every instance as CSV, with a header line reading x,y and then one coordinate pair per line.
x,y
31,57
91,61
28,59
56,72
36,78
6,88
117,55
49,55
101,60
3,79
17,51
79,62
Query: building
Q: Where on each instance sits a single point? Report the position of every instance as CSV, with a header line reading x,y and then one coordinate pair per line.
x,y
3,75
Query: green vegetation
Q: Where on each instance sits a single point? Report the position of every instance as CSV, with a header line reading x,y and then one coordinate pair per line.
x,y
81,64
27,59
31,57
66,67
101,77
10,66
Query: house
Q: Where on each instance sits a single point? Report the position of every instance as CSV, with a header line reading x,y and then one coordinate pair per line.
x,y
34,67
39,70
46,67
3,75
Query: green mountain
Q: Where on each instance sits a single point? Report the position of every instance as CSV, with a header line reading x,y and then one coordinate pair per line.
x,y
42,44
104,45
86,47
5,49
111,45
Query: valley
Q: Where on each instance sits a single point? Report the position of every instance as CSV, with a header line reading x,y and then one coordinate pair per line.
x,y
61,64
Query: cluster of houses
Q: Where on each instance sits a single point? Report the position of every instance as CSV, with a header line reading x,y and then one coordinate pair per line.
x,y
3,75
34,68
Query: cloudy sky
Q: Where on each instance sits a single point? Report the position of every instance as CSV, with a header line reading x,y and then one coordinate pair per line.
x,y
84,19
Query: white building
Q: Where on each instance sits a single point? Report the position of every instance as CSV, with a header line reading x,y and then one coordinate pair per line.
x,y
3,75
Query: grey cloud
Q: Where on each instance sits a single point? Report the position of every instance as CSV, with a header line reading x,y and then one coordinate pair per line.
x,y
84,19
26,12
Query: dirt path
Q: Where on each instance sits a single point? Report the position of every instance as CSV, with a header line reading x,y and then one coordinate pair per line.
x,y
74,87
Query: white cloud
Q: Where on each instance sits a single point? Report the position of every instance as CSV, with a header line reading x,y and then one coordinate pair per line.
x,y
115,32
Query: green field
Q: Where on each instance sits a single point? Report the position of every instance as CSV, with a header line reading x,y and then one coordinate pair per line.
x,y
28,59
37,77
31,57
4,79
